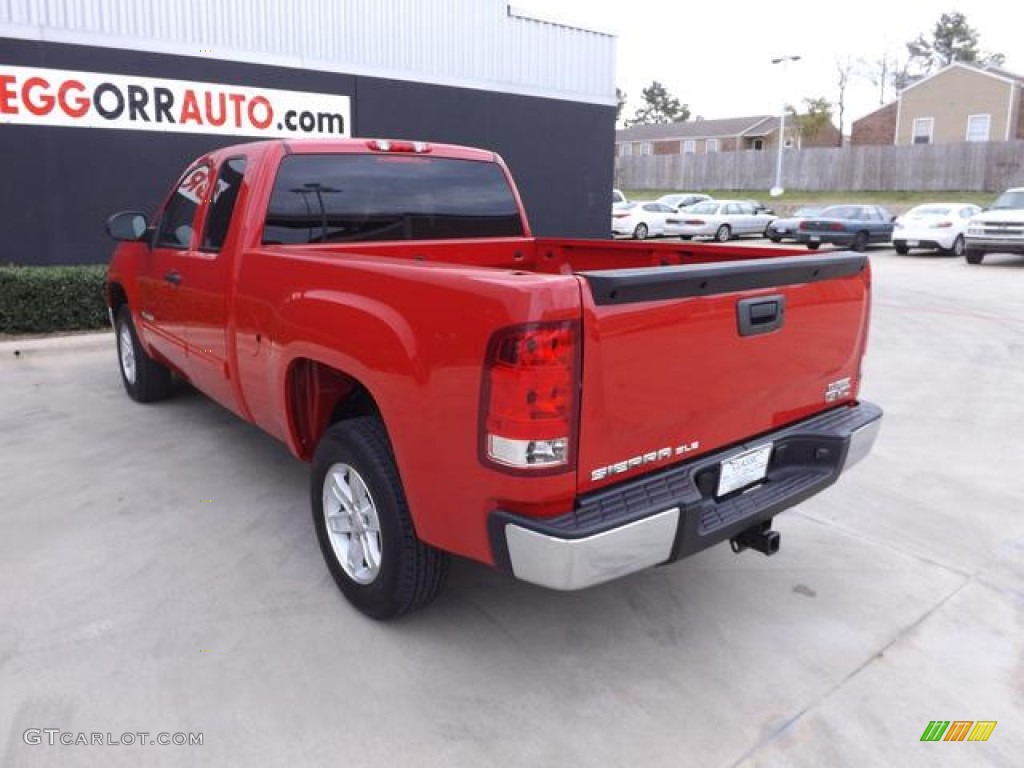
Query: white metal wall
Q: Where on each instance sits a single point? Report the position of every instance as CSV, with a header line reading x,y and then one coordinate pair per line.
x,y
472,43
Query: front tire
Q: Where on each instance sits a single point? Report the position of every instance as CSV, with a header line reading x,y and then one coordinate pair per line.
x,y
974,257
860,241
901,248
363,523
958,247
723,233
145,380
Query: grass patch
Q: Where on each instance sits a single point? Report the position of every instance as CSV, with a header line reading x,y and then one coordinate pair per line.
x,y
48,299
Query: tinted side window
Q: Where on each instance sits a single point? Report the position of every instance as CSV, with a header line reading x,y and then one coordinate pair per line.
x,y
358,198
176,222
222,205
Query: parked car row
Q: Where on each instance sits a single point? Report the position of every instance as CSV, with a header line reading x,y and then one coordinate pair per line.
x,y
688,215
957,229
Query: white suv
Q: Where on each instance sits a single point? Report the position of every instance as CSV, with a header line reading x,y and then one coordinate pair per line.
x,y
998,229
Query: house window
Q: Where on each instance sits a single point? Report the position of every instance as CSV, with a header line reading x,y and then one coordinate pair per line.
x,y
689,146
645,148
923,129
625,150
711,145
758,143
978,127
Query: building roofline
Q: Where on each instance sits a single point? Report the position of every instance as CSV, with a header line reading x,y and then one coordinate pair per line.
x,y
960,65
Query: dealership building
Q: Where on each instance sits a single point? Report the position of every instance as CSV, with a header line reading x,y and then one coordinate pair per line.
x,y
104,102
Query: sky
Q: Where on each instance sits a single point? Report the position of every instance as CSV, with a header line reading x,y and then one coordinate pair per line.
x,y
716,56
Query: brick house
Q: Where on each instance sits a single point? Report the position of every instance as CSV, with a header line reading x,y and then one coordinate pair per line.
x,y
877,128
956,104
758,132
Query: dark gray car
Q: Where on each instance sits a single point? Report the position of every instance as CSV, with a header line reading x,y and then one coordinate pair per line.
x,y
853,225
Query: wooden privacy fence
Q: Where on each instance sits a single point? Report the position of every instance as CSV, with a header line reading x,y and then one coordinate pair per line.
x,y
979,167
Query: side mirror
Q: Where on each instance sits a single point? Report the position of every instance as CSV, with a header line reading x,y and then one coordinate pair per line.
x,y
769,211
127,225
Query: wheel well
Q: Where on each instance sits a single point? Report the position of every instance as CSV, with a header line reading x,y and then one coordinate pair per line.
x,y
319,396
116,297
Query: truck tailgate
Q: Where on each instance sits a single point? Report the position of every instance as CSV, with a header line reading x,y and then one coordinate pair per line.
x,y
682,360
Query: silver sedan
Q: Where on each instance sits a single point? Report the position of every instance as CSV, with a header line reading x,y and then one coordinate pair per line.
x,y
721,220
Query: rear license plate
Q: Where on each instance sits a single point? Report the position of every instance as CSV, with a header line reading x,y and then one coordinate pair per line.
x,y
912,243
743,470
814,239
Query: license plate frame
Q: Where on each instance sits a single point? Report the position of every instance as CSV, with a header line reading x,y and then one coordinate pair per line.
x,y
913,243
744,469
814,239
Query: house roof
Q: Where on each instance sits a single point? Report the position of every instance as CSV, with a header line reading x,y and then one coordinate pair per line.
x,y
995,72
756,125
890,107
1005,73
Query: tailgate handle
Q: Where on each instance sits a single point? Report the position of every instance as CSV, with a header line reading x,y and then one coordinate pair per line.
x,y
763,314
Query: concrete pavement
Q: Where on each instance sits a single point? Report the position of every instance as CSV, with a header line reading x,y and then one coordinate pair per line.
x,y
159,573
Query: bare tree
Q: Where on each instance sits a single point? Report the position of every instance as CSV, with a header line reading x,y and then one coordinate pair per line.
x,y
888,73
844,68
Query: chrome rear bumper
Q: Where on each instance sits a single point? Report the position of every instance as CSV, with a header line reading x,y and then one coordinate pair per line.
x,y
674,513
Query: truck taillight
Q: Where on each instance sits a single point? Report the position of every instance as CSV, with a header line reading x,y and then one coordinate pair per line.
x,y
530,397
387,145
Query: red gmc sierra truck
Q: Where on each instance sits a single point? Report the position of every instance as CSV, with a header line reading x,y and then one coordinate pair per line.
x,y
569,411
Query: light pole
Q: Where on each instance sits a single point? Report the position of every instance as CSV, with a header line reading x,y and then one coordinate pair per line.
x,y
784,61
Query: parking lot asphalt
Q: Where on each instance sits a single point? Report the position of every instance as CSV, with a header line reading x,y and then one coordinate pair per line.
x,y
159,574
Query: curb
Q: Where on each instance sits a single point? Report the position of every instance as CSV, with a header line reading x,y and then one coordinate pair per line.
x,y
17,349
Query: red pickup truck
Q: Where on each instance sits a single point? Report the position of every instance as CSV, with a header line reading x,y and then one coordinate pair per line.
x,y
567,410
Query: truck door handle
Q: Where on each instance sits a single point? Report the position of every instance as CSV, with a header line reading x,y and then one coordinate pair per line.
x,y
763,314
173,277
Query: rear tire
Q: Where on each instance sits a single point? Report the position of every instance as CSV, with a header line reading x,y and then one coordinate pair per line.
x,y
775,238
145,380
814,246
901,248
974,257
723,233
363,523
640,233
958,247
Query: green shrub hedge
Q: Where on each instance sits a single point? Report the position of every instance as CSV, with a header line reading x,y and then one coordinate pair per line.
x,y
45,299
